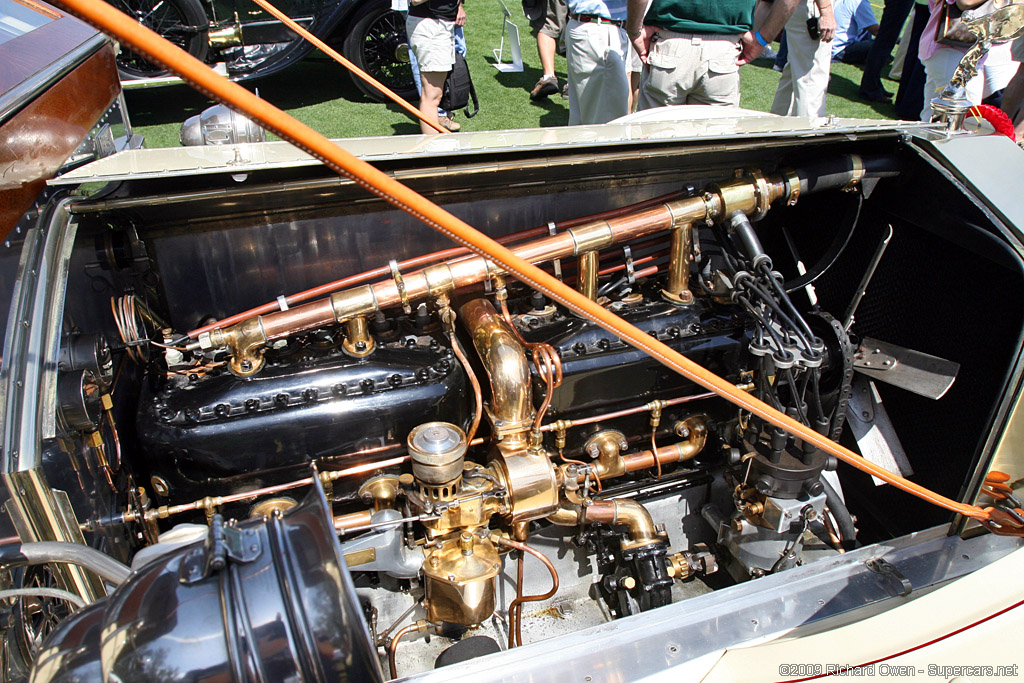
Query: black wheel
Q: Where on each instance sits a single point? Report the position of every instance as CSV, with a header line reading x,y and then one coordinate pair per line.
x,y
377,44
183,22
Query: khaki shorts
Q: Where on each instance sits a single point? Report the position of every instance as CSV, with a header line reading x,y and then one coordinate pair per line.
x,y
433,43
552,21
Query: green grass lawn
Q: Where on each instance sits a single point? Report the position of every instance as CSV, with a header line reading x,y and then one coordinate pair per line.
x,y
319,92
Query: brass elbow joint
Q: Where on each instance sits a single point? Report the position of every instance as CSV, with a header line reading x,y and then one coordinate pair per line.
x,y
606,448
245,342
639,524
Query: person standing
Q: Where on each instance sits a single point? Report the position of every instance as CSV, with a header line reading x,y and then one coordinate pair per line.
x,y
597,53
894,16
430,27
548,23
692,49
910,96
804,81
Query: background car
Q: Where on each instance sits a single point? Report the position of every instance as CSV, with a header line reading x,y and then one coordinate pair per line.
x,y
247,43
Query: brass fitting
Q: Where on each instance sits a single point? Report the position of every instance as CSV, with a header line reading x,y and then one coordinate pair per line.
x,y
587,274
566,515
352,302
680,247
678,567
382,491
244,342
559,428
656,407
640,527
504,358
358,341
606,448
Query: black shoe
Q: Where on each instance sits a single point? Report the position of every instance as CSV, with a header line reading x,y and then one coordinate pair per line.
x,y
875,96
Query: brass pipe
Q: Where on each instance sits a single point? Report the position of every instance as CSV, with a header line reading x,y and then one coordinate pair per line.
x,y
353,520
504,359
245,340
628,513
565,515
358,341
587,275
678,289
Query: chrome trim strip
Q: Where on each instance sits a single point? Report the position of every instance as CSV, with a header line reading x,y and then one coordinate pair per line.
x,y
29,373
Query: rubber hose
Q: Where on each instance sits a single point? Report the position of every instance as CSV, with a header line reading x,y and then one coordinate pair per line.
x,y
837,172
104,566
842,514
42,592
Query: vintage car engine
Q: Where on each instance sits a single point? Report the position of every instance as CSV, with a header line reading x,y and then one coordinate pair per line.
x,y
494,468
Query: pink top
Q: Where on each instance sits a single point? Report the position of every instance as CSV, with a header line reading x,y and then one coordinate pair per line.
x,y
927,46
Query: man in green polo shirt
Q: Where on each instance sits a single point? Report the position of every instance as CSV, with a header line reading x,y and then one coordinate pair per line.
x,y
692,49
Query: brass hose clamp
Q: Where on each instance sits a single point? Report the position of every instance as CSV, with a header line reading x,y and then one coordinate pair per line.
x,y
396,275
793,181
762,199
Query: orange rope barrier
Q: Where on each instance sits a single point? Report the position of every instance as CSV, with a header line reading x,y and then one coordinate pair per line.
x,y
333,54
146,42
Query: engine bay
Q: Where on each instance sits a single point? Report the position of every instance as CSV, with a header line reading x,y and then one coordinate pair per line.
x,y
499,469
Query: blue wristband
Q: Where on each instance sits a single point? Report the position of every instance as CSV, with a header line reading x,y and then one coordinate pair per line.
x,y
760,39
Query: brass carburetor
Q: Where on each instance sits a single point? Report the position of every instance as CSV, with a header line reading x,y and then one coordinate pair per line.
x,y
460,498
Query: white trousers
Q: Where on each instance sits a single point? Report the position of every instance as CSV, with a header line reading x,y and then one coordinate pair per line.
x,y
939,69
804,81
598,60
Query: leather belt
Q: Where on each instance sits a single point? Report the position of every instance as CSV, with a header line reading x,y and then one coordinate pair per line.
x,y
596,19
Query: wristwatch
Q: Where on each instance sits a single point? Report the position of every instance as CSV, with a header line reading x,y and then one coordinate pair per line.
x,y
634,34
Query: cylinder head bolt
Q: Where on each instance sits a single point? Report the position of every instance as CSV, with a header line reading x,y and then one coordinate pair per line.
x,y
437,450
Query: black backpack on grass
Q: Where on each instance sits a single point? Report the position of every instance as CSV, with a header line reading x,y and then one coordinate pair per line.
x,y
459,90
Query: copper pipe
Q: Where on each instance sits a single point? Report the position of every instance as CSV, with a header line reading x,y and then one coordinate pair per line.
x,y
147,43
677,452
654,449
631,411
333,475
393,646
520,599
333,54
352,520
297,319
463,272
628,513
478,398
545,359
517,609
425,259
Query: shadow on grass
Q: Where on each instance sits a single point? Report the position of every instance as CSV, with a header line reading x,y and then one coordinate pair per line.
x,y
843,87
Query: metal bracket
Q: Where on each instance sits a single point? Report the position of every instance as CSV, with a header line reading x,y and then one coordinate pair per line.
x,y
557,263
627,255
396,275
881,566
223,542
